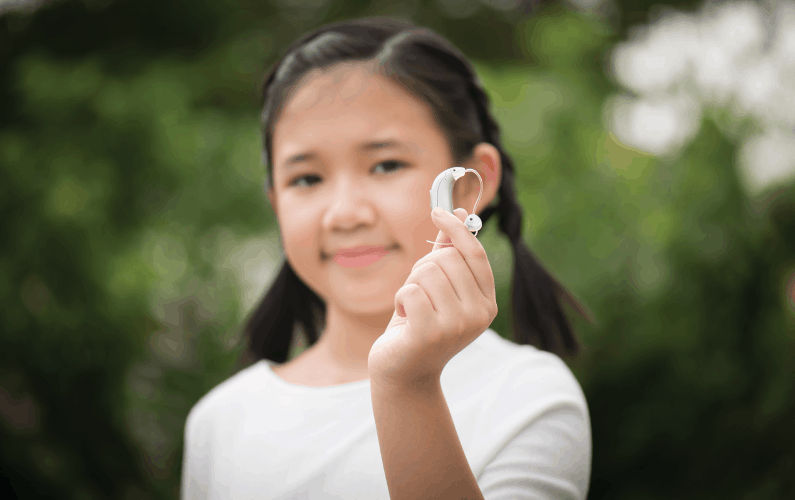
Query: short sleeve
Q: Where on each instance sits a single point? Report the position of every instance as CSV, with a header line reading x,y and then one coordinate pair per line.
x,y
196,458
549,459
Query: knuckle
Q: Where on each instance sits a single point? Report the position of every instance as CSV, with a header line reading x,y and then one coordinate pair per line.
x,y
484,320
423,270
428,266
419,263
480,253
406,291
460,322
449,252
489,317
433,268
455,257
487,312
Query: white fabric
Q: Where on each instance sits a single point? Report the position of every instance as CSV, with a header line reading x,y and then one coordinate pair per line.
x,y
520,414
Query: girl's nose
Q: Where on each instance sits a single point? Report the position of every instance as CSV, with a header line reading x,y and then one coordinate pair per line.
x,y
349,207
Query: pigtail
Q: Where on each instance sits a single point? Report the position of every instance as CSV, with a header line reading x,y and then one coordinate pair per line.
x,y
536,296
270,328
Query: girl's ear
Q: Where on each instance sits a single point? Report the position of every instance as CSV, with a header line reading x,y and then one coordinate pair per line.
x,y
486,160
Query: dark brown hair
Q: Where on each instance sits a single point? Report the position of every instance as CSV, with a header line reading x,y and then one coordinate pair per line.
x,y
433,69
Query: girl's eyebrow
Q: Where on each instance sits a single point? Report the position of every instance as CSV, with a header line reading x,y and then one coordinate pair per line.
x,y
299,158
364,147
389,143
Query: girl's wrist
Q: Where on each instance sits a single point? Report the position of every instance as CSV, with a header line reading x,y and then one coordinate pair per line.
x,y
402,387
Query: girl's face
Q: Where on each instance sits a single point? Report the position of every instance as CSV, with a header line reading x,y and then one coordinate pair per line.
x,y
353,157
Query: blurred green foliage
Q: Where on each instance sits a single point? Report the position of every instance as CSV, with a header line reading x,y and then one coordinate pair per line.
x,y
136,236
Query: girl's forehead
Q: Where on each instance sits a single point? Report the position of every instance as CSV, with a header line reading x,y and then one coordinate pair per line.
x,y
349,103
355,87
345,82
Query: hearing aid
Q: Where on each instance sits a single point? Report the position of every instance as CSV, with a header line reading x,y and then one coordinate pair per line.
x,y
442,196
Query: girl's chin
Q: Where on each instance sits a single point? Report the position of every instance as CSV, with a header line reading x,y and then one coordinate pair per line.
x,y
365,304
369,307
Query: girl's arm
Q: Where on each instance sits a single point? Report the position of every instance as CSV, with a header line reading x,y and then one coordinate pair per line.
x,y
447,302
422,454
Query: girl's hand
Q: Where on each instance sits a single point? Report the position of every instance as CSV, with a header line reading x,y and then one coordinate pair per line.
x,y
447,301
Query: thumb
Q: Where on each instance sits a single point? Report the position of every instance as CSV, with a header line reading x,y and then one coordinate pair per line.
x,y
442,240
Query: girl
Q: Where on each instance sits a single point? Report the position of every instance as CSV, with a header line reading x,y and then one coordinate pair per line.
x,y
404,392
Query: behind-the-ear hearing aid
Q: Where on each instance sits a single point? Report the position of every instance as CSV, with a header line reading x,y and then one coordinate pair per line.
x,y
442,196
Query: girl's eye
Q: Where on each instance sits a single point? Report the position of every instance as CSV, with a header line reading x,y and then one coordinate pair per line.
x,y
390,166
305,181
386,167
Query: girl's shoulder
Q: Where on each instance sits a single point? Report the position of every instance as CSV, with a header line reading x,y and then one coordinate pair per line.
x,y
492,348
503,366
229,394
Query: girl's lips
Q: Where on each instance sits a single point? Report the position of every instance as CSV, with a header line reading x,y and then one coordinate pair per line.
x,y
360,256
353,252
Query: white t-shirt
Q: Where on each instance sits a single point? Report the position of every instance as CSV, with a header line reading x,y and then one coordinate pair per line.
x,y
519,412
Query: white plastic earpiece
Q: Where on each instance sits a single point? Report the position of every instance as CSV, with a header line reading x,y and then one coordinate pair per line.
x,y
473,223
442,196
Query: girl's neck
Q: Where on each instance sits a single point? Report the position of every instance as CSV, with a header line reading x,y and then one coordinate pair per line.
x,y
347,339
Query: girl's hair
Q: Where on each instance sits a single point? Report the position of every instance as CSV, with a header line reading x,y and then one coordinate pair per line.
x,y
430,67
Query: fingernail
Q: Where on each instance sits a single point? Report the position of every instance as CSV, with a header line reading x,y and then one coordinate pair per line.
x,y
438,211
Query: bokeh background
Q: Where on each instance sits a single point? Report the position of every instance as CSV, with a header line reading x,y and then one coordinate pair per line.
x,y
656,153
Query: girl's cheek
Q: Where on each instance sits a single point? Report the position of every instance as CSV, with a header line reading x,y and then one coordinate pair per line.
x,y
298,225
411,219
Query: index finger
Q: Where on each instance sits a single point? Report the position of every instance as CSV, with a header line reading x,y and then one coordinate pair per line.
x,y
442,240
470,248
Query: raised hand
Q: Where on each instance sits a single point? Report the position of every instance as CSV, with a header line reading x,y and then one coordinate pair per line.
x,y
447,301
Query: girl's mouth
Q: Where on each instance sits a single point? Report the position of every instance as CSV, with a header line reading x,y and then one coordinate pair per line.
x,y
360,256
